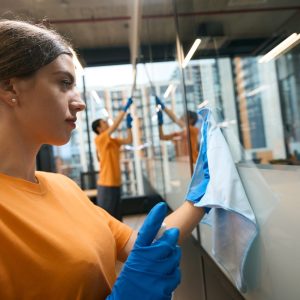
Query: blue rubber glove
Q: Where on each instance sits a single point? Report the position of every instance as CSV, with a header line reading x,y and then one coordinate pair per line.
x,y
129,121
160,118
201,177
129,102
152,268
159,102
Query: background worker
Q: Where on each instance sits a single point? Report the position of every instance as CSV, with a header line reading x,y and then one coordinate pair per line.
x,y
108,151
193,130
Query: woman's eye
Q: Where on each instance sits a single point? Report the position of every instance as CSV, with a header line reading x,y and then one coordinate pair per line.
x,y
66,83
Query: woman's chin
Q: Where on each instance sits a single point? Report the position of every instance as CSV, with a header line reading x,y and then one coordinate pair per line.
x,y
59,141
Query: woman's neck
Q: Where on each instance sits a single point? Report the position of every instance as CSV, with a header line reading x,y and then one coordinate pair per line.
x,y
18,157
28,175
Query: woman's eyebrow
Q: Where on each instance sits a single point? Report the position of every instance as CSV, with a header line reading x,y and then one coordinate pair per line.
x,y
66,73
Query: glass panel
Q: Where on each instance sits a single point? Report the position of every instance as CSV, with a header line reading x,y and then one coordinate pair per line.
x,y
255,101
108,89
166,161
159,154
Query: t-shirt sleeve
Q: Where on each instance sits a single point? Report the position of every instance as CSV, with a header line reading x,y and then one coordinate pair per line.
x,y
107,137
120,231
103,138
117,141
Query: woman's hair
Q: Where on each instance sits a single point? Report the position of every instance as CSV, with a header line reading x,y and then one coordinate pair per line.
x,y
25,48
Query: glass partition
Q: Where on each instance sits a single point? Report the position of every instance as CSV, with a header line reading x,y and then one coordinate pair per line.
x,y
246,71
255,102
167,165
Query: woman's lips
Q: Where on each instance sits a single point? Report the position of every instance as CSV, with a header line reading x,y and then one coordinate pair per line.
x,y
71,122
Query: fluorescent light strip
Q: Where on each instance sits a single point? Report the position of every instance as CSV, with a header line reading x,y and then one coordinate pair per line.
x,y
281,48
96,97
168,90
191,52
256,91
203,104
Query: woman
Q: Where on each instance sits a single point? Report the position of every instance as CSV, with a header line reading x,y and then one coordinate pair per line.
x,y
55,244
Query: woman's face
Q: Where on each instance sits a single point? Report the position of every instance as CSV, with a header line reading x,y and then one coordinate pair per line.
x,y
48,102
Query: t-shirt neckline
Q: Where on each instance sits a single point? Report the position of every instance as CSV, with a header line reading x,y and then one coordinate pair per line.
x,y
25,185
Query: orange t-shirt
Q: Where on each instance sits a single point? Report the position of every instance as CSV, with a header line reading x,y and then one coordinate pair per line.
x,y
194,132
54,243
108,149
182,145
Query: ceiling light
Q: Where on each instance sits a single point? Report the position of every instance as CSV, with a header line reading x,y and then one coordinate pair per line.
x,y
281,48
168,90
203,104
95,96
256,91
191,52
226,124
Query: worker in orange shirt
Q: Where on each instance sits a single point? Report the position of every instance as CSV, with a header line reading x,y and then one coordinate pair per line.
x,y
108,150
193,130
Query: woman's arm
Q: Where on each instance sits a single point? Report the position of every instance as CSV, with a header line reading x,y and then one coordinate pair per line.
x,y
185,218
116,122
166,137
174,118
128,139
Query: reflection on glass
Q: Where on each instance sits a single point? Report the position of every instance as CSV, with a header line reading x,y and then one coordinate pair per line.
x,y
257,102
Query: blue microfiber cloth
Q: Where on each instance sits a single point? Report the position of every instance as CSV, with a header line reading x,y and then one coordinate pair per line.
x,y
217,187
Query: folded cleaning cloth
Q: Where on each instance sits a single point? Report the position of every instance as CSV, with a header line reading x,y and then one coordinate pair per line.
x,y
217,187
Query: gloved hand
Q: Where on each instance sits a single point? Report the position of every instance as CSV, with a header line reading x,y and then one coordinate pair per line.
x,y
160,118
201,177
152,268
129,121
159,102
129,102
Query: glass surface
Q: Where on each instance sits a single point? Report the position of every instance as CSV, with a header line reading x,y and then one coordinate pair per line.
x,y
256,105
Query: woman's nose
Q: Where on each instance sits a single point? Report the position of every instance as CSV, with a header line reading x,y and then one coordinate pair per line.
x,y
77,103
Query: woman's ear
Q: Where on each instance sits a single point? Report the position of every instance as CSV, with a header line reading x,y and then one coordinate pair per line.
x,y
7,93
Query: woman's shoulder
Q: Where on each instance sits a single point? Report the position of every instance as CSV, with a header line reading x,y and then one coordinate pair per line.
x,y
50,175
59,183
54,178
